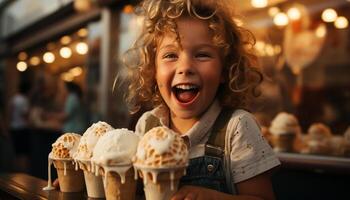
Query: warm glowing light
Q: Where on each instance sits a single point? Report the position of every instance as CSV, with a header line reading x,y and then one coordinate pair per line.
x,y
269,50
260,45
76,71
22,56
82,48
34,61
281,19
65,52
238,22
128,9
66,76
22,66
49,57
341,22
83,32
321,31
277,49
82,5
66,40
329,15
259,3
294,13
273,11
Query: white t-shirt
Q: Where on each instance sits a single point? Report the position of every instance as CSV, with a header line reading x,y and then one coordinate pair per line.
x,y
250,153
20,107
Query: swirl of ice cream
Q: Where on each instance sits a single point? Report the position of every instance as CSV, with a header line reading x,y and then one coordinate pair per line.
x,y
161,147
319,131
284,123
65,146
89,139
116,147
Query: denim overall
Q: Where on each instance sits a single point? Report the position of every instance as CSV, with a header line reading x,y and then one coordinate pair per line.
x,y
207,171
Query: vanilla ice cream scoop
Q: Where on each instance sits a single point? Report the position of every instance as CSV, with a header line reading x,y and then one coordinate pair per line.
x,y
116,147
161,147
347,135
65,146
319,131
284,123
89,139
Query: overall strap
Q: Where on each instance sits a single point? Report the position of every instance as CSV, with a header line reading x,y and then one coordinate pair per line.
x,y
216,142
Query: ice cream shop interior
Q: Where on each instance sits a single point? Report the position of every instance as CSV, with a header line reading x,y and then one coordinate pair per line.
x,y
61,58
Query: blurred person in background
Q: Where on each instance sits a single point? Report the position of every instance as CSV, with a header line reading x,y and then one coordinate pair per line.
x,y
74,118
19,125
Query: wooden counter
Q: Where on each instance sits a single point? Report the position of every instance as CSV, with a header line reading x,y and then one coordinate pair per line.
x,y
316,163
310,176
23,186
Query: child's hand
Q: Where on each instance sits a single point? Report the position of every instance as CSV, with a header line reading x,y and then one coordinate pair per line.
x,y
193,193
56,184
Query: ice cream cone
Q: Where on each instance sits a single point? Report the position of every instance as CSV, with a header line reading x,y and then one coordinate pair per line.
x,y
118,189
93,181
161,184
70,180
283,142
94,185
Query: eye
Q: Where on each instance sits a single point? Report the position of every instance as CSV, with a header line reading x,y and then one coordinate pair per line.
x,y
203,55
170,56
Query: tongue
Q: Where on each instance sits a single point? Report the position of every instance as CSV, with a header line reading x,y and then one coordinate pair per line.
x,y
186,96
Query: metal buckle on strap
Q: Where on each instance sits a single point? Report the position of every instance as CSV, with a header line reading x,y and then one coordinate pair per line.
x,y
211,150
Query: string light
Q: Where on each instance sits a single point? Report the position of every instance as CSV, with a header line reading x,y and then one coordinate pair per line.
x,y
22,66
49,57
329,15
82,48
341,23
273,11
294,13
281,19
22,56
65,52
34,61
259,3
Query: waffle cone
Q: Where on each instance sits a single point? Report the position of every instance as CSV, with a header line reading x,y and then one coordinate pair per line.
x,y
283,142
162,188
116,190
94,185
72,181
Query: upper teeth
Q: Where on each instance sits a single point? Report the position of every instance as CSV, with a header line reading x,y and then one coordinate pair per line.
x,y
186,87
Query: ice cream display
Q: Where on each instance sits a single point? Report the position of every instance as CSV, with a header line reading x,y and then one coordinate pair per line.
x,y
347,142
161,161
94,185
284,128
112,157
318,136
61,156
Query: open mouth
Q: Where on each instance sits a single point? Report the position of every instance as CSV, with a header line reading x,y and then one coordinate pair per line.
x,y
185,93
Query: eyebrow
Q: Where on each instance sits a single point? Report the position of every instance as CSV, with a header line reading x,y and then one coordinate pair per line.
x,y
199,46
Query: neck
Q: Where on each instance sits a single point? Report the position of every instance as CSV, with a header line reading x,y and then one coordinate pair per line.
x,y
181,125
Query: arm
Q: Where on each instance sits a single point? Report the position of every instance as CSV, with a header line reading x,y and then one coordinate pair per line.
x,y
256,188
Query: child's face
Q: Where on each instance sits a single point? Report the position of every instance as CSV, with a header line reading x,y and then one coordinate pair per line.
x,y
188,75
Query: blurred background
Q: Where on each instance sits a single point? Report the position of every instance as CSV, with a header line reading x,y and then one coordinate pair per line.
x,y
60,58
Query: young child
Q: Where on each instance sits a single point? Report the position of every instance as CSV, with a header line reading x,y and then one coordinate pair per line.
x,y
195,66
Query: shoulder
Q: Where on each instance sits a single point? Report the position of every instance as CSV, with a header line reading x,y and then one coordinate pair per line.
x,y
142,122
241,118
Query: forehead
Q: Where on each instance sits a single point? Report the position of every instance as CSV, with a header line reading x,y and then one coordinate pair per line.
x,y
189,31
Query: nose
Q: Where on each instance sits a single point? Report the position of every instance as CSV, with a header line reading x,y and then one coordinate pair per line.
x,y
186,66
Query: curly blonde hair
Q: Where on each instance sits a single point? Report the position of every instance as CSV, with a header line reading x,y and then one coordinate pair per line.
x,y
242,76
